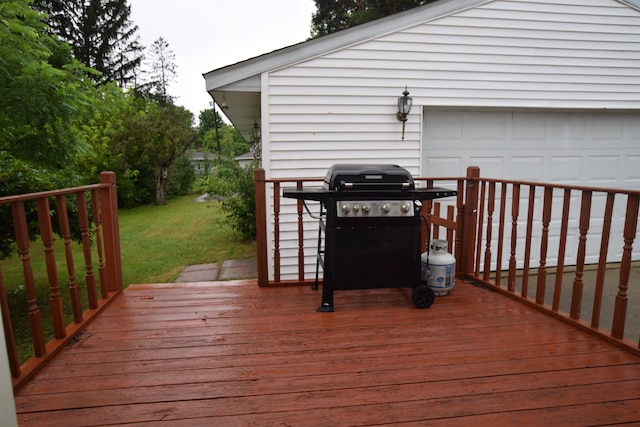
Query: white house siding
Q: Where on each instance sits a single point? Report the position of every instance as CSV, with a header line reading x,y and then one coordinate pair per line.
x,y
513,55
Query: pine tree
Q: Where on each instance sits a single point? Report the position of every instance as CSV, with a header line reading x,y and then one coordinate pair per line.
x,y
163,69
100,33
336,15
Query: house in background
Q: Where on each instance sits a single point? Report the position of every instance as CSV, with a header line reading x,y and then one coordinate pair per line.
x,y
540,90
201,161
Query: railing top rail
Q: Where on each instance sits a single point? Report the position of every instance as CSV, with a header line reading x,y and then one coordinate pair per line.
x,y
495,180
422,178
559,186
51,193
281,180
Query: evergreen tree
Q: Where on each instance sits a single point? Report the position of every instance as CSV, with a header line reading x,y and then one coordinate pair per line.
x,y
100,33
336,15
163,69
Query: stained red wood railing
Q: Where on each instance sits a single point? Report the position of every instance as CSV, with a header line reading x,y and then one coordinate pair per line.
x,y
584,309
107,244
523,214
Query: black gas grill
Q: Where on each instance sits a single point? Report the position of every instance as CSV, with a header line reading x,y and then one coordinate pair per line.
x,y
370,217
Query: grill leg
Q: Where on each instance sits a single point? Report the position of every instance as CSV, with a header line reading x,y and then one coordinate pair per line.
x,y
327,291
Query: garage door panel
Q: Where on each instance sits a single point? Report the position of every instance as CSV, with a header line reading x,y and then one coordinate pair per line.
x,y
566,127
566,169
528,129
603,170
444,129
494,166
487,128
529,168
444,166
632,171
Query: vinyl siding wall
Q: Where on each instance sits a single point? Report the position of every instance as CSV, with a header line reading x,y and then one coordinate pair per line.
x,y
542,55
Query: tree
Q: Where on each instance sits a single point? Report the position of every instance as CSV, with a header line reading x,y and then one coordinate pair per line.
x,y
163,69
336,15
150,138
100,33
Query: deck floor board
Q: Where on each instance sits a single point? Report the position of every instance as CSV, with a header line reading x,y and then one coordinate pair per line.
x,y
234,354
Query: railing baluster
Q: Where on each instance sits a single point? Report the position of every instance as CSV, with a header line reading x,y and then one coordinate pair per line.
x,y
22,239
562,247
491,202
515,210
435,230
501,228
97,224
602,261
527,244
89,277
9,337
63,218
450,215
630,227
276,231
459,224
46,235
482,202
544,245
578,283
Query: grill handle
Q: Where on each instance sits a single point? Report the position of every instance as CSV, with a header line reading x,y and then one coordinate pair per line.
x,y
344,185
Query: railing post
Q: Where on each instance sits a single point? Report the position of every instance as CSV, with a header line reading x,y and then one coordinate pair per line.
x,y
470,219
621,301
110,229
261,226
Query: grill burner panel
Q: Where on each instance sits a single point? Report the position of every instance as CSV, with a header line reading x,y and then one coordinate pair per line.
x,y
374,208
371,220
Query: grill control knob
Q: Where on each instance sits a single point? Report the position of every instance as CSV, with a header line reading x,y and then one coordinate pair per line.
x,y
366,208
386,208
356,208
405,207
346,208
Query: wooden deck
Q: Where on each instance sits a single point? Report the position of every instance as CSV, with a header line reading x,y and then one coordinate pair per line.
x,y
234,354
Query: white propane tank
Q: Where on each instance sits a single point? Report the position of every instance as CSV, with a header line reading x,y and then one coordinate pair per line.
x,y
441,268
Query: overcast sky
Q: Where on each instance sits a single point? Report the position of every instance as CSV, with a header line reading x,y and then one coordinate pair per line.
x,y
208,34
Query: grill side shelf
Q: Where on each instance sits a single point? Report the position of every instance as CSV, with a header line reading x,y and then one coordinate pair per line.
x,y
320,194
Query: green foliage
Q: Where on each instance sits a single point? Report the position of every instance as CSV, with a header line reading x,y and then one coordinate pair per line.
x,y
42,105
139,142
336,15
235,185
182,178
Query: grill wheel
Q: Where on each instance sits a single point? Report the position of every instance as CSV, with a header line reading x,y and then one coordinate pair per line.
x,y
422,296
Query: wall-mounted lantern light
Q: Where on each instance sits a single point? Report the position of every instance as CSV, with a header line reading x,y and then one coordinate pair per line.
x,y
256,135
404,106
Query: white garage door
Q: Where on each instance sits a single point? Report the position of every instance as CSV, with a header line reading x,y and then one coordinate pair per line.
x,y
578,148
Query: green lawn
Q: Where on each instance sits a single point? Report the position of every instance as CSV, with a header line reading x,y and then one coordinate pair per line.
x,y
157,242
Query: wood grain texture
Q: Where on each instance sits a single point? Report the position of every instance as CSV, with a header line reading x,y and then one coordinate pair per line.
x,y
235,354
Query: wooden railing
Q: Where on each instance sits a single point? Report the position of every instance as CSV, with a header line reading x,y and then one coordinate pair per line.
x,y
97,214
516,222
494,245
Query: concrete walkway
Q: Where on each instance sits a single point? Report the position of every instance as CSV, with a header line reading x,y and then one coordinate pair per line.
x,y
230,270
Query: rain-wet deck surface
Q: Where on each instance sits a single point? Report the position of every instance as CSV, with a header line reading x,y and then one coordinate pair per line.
x,y
233,354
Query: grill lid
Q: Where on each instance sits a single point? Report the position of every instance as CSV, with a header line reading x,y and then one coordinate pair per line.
x,y
387,177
